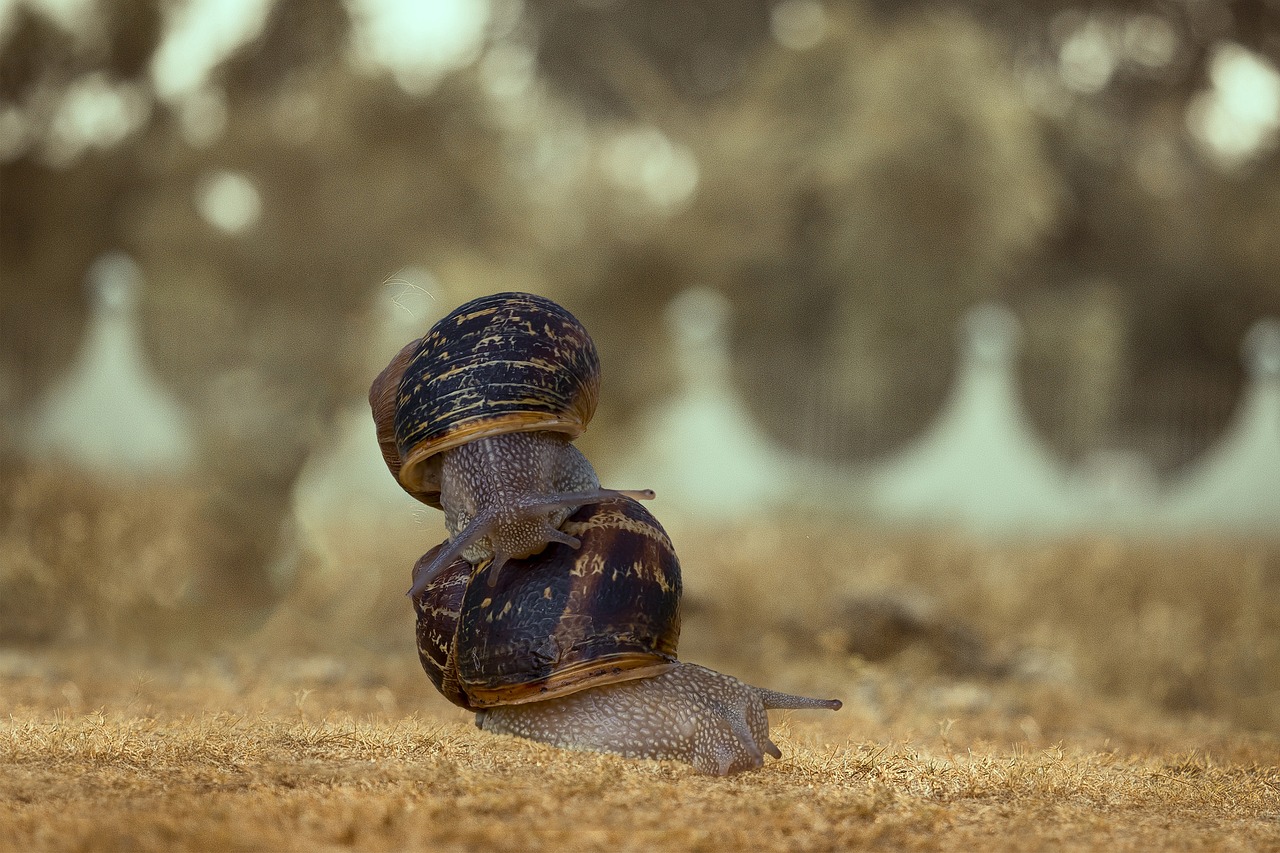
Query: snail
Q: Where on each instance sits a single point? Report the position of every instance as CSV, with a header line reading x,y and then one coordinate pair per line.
x,y
477,418
577,649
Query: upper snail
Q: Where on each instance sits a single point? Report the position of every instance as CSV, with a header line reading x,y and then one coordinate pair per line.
x,y
476,418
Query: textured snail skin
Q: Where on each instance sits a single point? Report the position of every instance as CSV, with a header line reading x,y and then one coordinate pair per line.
x,y
507,496
502,477
690,713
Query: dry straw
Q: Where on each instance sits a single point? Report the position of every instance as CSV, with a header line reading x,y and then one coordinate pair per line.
x,y
1083,694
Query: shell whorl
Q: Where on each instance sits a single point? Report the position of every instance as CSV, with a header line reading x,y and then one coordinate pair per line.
x,y
509,362
560,621
439,608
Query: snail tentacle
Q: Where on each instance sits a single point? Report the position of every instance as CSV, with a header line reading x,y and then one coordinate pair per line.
x,y
575,500
509,494
775,700
428,573
518,530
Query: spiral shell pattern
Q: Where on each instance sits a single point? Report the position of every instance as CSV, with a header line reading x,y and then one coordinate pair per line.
x,y
560,621
510,362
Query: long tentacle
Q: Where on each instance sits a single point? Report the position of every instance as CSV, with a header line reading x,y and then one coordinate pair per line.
x,y
479,527
773,699
542,504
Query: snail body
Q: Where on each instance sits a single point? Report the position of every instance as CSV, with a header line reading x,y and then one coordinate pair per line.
x,y
477,418
689,713
577,649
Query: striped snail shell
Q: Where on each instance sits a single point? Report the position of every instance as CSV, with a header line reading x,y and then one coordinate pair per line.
x,y
609,610
577,648
477,418
505,363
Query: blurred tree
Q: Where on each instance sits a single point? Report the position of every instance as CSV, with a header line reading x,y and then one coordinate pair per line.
x,y
247,320
853,176
1070,171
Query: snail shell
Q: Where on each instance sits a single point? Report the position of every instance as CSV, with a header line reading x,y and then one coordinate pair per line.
x,y
577,648
505,363
558,622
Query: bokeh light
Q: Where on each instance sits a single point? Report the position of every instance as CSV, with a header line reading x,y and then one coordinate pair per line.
x,y
229,201
1237,118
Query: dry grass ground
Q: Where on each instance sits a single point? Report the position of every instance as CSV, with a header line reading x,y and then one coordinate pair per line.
x,y
1091,694
326,754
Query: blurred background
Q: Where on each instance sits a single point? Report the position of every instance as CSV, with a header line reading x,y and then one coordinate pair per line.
x,y
955,321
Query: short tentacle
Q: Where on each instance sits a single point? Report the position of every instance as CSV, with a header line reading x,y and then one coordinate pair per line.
x,y
555,535
551,534
495,566
736,717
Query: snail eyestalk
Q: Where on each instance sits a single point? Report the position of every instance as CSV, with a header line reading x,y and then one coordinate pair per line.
x,y
540,505
442,560
774,700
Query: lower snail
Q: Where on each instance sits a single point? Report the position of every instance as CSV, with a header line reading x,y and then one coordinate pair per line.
x,y
577,649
